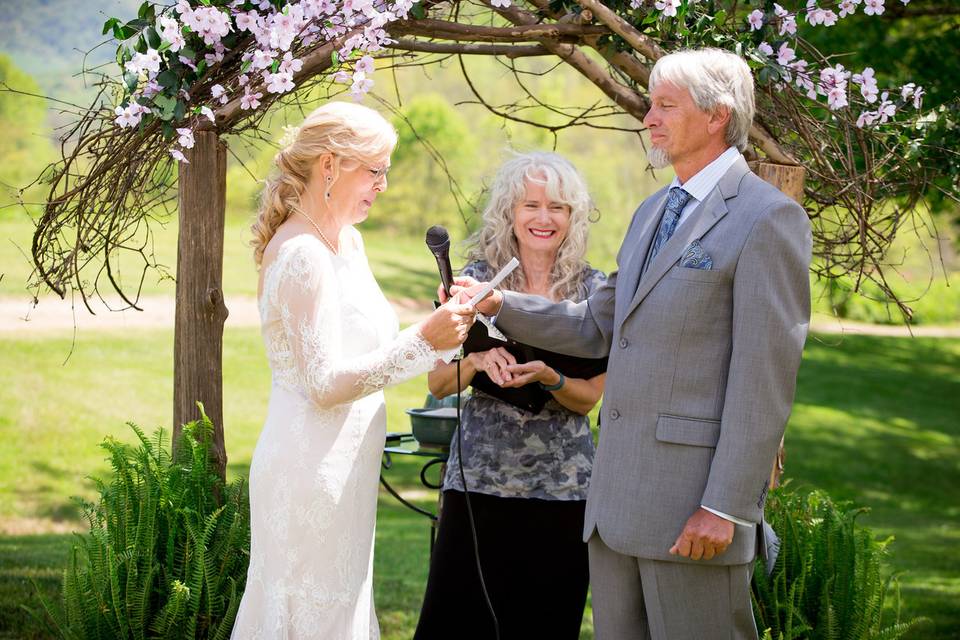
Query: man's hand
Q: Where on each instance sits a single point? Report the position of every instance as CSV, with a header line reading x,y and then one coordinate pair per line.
x,y
469,287
704,536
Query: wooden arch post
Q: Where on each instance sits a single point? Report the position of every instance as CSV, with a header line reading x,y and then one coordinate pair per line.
x,y
789,179
201,312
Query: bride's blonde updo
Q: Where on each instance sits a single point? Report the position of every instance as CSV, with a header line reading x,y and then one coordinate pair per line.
x,y
349,131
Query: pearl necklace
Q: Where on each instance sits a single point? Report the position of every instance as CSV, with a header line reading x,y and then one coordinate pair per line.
x,y
329,244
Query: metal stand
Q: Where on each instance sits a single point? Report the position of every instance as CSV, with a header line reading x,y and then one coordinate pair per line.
x,y
405,444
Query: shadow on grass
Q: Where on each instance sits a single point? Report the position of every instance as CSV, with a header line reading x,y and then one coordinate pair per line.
x,y
23,560
876,423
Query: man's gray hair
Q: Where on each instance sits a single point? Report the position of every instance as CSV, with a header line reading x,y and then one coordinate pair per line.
x,y
714,78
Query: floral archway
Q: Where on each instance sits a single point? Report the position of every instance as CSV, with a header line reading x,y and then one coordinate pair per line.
x,y
192,74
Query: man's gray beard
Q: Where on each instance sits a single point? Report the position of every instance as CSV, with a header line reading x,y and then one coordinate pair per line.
x,y
658,158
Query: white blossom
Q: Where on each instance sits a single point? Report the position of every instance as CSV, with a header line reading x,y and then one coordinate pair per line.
x,y
185,138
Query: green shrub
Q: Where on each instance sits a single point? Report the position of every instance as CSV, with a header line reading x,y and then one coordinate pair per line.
x,y
162,558
827,583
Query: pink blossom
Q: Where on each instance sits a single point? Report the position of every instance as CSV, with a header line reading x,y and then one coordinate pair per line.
x,y
779,11
907,90
130,116
149,61
918,96
887,109
279,82
250,100
151,88
815,14
829,18
343,77
170,32
187,61
247,20
765,49
866,119
365,64
873,8
847,8
178,156
208,113
868,82
668,7
361,85
262,59
402,7
837,97
755,19
185,138
290,64
243,80
788,25
785,54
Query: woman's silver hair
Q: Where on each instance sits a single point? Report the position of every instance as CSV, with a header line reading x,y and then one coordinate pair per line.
x,y
495,242
714,78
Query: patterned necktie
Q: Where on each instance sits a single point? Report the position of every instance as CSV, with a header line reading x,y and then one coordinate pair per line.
x,y
676,201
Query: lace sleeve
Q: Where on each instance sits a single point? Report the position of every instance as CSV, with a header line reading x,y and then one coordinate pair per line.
x,y
306,295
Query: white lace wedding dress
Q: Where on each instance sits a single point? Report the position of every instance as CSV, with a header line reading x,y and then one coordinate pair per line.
x,y
333,344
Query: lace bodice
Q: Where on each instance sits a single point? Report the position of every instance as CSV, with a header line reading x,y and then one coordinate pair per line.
x,y
330,334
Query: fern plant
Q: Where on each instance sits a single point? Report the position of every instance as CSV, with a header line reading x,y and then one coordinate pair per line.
x,y
828,582
167,551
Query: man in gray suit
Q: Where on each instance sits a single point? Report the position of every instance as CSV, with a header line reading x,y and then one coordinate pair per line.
x,y
704,324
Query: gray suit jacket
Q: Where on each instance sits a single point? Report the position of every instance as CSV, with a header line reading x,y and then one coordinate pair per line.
x,y
702,368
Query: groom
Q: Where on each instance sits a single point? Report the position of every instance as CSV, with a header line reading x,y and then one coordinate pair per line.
x,y
704,324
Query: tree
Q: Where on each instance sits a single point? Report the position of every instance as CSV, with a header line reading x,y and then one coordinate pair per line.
x,y
24,152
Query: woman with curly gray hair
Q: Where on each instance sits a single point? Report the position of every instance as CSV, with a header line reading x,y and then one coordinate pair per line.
x,y
527,472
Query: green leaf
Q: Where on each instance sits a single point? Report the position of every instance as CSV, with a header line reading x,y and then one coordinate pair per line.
x,y
141,44
110,24
720,17
246,65
153,38
130,80
179,111
168,79
335,57
122,32
418,11
274,66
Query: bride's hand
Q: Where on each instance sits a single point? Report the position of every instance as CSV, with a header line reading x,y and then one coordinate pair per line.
x,y
448,325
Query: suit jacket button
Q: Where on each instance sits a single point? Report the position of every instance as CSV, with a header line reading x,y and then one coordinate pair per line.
x,y
623,343
615,414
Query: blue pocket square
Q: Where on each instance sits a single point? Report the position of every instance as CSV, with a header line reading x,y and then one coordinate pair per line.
x,y
694,257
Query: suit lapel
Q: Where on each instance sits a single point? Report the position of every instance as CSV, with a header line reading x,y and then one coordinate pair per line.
x,y
701,220
640,239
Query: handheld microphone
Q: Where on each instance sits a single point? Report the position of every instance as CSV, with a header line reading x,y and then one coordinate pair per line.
x,y
438,241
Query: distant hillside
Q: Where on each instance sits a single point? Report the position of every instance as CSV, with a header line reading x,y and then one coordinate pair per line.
x,y
48,38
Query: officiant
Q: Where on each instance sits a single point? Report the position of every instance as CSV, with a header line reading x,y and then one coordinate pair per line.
x,y
527,450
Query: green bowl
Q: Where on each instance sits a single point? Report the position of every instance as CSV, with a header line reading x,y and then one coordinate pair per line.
x,y
433,426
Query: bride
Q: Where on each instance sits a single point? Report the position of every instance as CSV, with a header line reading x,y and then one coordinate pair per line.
x,y
332,343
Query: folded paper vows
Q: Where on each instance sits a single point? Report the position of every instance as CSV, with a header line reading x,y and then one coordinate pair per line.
x,y
448,356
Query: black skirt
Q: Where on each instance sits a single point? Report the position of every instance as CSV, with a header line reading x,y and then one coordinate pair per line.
x,y
534,564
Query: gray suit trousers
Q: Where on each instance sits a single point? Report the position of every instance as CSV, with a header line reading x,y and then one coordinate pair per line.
x,y
640,599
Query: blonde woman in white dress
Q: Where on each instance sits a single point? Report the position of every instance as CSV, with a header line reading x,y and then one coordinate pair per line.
x,y
333,344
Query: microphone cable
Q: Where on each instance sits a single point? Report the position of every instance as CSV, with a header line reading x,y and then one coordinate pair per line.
x,y
473,525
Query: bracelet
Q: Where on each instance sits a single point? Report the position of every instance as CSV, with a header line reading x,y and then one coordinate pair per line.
x,y
554,387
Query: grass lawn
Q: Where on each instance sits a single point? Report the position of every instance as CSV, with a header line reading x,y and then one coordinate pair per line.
x,y
875,422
